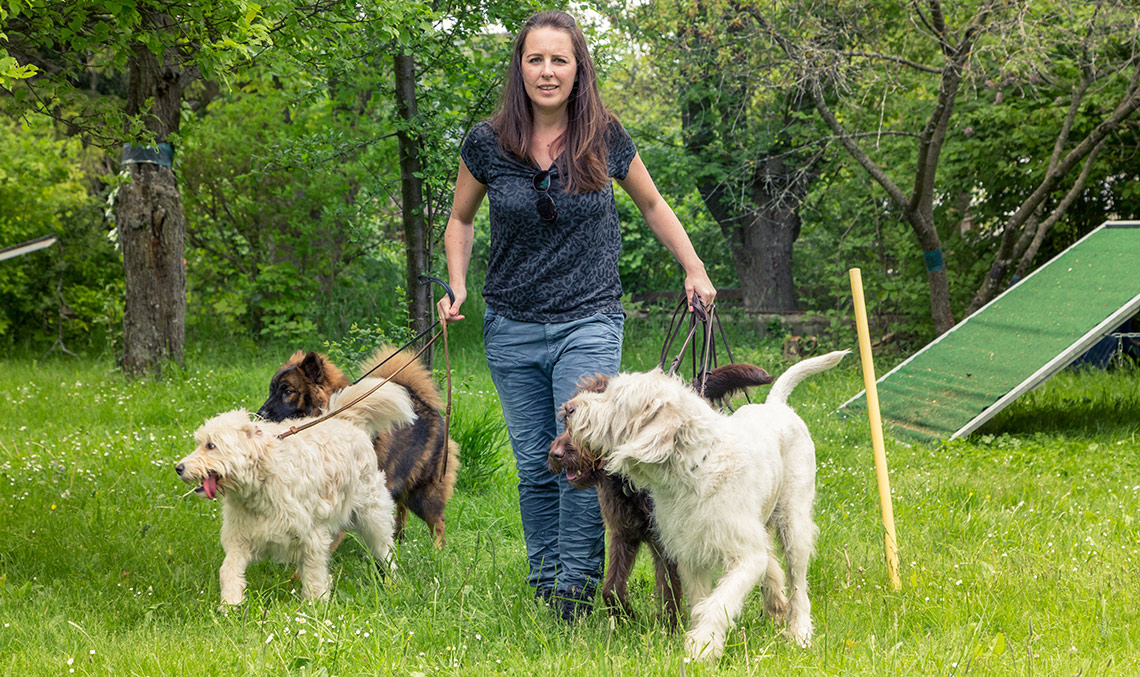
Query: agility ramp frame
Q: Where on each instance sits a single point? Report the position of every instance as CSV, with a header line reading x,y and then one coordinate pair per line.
x,y
1015,342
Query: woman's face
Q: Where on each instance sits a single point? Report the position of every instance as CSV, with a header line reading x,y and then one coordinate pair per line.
x,y
548,67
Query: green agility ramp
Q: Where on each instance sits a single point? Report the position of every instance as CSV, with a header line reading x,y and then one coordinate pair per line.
x,y
1016,342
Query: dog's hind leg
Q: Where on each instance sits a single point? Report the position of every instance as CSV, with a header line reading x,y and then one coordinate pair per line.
x,y
797,533
437,530
775,599
401,520
428,504
713,616
668,585
375,524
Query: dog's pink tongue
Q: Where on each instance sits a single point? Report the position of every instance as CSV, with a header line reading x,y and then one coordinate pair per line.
x,y
572,475
210,485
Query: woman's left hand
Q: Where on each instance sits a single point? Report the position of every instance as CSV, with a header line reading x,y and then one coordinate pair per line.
x,y
698,283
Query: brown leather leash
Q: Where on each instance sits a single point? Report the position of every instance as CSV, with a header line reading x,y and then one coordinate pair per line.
x,y
423,279
293,430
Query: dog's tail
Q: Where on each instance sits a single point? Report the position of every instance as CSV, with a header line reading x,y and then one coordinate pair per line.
x,y
723,382
791,378
386,407
415,376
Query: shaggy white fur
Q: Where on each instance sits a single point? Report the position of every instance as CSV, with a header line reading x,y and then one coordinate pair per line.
x,y
722,486
287,499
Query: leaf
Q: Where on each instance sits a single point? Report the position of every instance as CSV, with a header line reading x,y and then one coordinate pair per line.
x,y
998,647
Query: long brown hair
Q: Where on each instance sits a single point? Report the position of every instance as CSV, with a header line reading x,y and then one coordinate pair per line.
x,y
583,144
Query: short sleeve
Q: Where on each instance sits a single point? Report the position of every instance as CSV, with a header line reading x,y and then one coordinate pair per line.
x,y
478,151
621,151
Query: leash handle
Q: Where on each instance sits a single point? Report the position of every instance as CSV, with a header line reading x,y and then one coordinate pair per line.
x,y
699,308
424,279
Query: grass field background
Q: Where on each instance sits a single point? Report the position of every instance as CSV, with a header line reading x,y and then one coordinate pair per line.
x,y
1019,546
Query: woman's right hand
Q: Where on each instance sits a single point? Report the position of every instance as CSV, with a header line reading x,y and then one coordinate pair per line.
x,y
447,310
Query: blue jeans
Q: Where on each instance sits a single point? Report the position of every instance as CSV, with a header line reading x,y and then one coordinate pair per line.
x,y
536,368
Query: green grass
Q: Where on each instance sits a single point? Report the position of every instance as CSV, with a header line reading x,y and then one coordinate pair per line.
x,y
1020,547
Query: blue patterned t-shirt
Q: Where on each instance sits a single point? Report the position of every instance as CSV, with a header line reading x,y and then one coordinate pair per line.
x,y
548,271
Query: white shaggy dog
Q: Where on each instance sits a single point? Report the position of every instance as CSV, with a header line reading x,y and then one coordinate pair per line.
x,y
720,484
288,499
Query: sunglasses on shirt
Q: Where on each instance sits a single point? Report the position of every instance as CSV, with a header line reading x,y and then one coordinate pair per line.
x,y
547,210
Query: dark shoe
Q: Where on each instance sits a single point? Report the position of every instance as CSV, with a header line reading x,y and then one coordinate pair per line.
x,y
544,594
573,604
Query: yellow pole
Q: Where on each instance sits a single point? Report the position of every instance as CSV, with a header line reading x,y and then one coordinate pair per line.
x,y
876,427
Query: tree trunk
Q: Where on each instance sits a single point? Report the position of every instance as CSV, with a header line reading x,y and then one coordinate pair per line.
x,y
416,240
151,224
922,223
152,231
761,234
759,219
763,263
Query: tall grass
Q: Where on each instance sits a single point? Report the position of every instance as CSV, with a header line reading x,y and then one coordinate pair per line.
x,y
1020,546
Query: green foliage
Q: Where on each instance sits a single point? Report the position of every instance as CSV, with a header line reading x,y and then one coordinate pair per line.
x,y
64,291
848,223
1005,120
72,45
290,176
289,233
362,340
697,81
646,265
295,176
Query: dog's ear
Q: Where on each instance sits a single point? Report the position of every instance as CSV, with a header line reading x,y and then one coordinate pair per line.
x,y
595,384
649,447
313,366
654,435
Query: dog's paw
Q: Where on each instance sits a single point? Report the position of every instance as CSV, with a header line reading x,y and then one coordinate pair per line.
x,y
618,606
776,606
703,645
315,593
386,568
800,632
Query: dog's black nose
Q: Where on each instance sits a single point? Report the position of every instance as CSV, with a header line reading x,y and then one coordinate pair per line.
x,y
179,468
558,452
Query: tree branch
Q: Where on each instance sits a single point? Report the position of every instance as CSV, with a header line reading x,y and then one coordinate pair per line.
x,y
897,59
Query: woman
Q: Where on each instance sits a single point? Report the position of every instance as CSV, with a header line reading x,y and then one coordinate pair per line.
x,y
554,314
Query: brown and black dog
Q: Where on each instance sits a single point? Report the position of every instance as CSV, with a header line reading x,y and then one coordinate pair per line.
x,y
627,511
412,456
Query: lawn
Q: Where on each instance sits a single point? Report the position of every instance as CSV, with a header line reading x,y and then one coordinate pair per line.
x,y
1019,547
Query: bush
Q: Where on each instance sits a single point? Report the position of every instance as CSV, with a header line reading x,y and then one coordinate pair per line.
x,y
289,235
483,443
63,292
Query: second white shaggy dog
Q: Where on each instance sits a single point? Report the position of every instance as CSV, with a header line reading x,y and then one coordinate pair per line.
x,y
720,484
288,499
